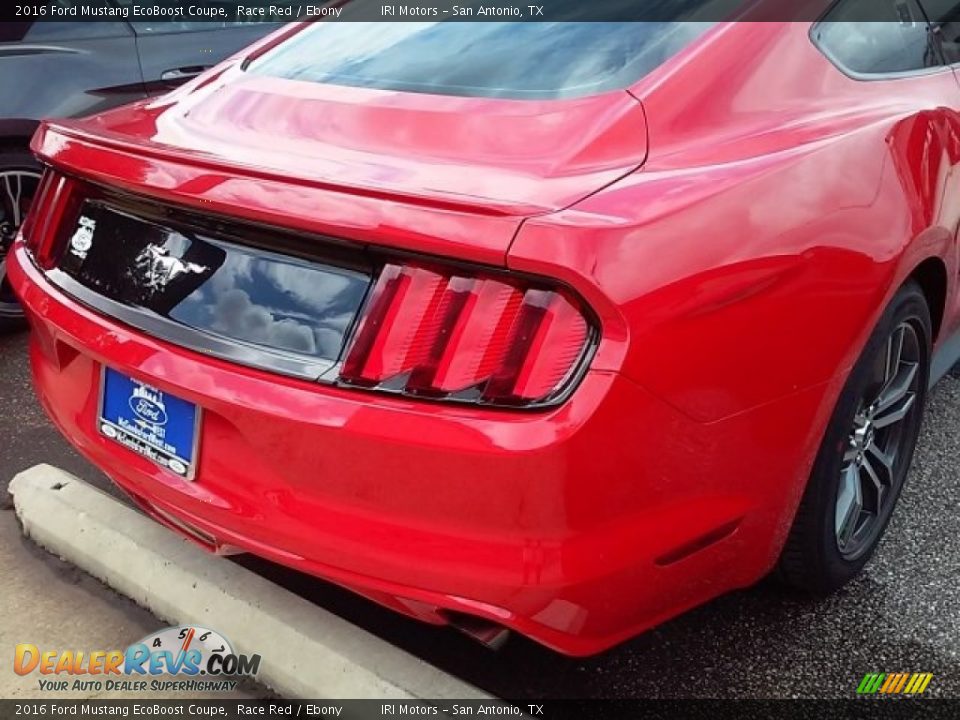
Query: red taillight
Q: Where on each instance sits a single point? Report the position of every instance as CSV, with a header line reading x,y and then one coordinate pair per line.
x,y
41,228
548,339
30,228
455,336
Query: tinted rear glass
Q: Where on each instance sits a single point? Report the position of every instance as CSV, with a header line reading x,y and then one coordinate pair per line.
x,y
483,59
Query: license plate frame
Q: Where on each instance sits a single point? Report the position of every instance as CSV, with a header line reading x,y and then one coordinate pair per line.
x,y
159,426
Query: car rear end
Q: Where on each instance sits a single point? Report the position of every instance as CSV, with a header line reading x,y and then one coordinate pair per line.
x,y
337,371
300,432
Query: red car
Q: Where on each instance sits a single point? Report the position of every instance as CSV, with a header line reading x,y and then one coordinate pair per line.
x,y
506,338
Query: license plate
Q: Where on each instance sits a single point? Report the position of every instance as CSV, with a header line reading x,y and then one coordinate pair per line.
x,y
155,424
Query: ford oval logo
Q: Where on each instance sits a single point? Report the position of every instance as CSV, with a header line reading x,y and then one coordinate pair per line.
x,y
148,405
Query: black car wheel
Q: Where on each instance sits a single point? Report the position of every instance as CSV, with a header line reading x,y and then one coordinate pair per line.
x,y
19,179
866,453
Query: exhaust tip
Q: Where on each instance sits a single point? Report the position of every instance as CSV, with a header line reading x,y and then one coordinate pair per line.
x,y
485,632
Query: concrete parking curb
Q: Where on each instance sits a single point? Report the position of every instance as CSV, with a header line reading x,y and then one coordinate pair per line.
x,y
306,652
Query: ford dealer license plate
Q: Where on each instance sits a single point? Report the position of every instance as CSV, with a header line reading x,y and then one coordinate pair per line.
x,y
155,424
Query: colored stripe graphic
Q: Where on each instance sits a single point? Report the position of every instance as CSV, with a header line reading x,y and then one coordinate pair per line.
x,y
894,683
925,679
871,683
889,683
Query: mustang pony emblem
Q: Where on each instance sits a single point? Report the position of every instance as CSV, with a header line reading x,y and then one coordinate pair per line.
x,y
158,268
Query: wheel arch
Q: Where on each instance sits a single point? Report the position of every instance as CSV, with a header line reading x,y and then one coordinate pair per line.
x,y
931,276
17,132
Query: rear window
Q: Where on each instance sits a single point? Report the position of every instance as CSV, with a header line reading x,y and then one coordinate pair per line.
x,y
527,60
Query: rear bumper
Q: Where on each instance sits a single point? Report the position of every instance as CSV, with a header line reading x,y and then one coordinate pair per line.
x,y
578,527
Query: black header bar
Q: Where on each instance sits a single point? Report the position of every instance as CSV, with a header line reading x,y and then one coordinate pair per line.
x,y
224,11
280,709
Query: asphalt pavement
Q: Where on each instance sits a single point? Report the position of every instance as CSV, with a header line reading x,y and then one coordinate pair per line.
x,y
902,615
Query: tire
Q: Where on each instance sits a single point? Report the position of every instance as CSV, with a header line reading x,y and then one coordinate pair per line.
x,y
19,165
829,543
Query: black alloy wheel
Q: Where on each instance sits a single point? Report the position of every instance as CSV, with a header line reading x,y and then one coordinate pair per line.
x,y
866,453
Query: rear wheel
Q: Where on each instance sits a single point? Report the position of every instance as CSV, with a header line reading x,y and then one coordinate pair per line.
x,y
19,179
866,453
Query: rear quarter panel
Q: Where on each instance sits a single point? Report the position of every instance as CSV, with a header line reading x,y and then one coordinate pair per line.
x,y
739,273
781,207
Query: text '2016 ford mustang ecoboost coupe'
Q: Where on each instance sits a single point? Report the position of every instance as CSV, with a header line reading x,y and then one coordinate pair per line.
x,y
503,337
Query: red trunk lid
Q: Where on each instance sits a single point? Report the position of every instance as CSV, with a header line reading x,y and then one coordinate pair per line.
x,y
505,156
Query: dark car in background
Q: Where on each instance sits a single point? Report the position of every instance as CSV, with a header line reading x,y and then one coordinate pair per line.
x,y
72,69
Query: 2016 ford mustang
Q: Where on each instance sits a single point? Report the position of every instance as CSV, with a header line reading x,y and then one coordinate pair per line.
x,y
512,338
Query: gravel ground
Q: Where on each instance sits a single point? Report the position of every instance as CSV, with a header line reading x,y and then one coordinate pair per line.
x,y
902,615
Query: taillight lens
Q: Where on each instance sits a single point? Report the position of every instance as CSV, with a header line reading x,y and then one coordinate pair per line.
x,y
29,228
41,233
445,335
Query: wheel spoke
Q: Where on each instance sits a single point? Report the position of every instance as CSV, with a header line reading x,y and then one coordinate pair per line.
x,y
849,505
878,469
896,413
897,389
851,453
885,460
894,354
14,187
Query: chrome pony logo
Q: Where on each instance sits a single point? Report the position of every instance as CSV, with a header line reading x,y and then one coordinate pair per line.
x,y
158,267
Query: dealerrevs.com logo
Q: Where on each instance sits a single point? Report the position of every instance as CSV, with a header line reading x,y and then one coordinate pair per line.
x,y
189,658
